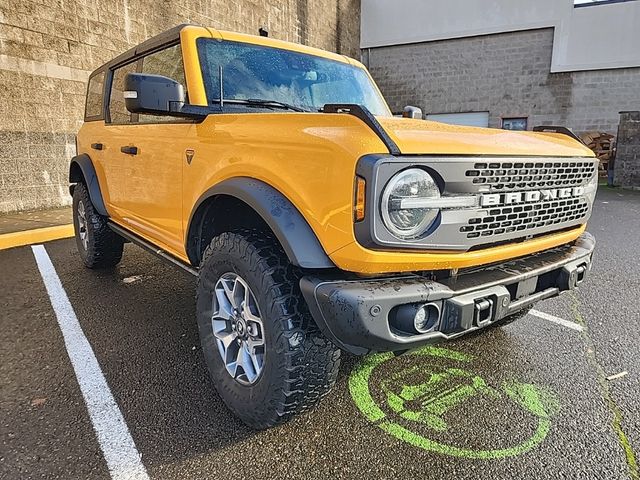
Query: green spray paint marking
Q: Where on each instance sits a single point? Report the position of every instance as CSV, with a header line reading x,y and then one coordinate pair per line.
x,y
426,402
432,400
616,423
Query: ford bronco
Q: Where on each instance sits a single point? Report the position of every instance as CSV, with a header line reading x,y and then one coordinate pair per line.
x,y
314,219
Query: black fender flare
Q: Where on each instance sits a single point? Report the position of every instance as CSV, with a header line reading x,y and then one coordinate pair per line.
x,y
83,161
287,223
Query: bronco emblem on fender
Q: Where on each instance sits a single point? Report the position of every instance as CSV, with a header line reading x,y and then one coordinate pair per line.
x,y
412,403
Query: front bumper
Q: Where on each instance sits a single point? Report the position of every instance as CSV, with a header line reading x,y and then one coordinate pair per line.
x,y
360,315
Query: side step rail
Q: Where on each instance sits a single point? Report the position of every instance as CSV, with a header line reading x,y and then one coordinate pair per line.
x,y
141,242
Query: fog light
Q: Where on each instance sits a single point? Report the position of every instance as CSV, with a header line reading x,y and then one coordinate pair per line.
x,y
415,318
426,318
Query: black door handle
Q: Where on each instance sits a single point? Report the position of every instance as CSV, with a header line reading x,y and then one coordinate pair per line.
x,y
129,150
97,146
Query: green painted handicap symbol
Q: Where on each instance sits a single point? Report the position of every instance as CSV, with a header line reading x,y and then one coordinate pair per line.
x,y
422,394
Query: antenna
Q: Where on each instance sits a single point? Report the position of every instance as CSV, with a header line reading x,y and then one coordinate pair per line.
x,y
221,87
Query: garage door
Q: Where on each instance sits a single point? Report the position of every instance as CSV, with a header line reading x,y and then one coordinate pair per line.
x,y
471,119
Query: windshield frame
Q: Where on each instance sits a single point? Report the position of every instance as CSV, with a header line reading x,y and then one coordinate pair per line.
x,y
213,97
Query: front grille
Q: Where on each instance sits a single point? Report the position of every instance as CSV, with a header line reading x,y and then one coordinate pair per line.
x,y
504,176
518,198
505,220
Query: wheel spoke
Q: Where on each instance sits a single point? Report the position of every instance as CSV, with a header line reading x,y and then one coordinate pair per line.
x,y
232,368
227,338
231,355
239,362
252,318
255,361
228,292
250,368
254,342
224,307
239,292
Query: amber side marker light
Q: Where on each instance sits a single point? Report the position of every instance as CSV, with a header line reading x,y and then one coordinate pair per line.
x,y
358,208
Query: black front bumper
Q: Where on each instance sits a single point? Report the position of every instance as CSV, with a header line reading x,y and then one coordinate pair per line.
x,y
358,315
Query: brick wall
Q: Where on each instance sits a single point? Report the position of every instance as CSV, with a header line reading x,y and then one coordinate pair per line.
x,y
627,163
48,48
507,74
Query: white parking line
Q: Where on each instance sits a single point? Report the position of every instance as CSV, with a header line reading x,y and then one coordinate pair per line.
x,y
118,448
558,320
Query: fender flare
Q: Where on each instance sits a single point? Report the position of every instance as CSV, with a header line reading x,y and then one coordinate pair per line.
x,y
91,179
287,223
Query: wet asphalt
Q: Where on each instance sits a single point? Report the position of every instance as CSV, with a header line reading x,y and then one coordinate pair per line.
x,y
139,319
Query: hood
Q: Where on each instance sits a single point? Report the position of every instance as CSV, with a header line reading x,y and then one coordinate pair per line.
x,y
416,137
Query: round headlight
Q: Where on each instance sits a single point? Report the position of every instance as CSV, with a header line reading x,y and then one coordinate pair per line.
x,y
402,212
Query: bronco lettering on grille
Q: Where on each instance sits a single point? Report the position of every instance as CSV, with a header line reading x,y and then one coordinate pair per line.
x,y
531,196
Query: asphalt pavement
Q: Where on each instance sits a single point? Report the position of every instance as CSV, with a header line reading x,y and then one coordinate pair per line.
x,y
529,400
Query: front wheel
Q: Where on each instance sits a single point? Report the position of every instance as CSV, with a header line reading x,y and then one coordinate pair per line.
x,y
266,356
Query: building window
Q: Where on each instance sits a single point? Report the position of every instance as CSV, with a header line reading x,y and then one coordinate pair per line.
x,y
516,123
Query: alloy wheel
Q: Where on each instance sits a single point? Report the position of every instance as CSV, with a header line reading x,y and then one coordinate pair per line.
x,y
238,328
82,225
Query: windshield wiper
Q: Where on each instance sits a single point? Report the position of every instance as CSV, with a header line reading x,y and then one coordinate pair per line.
x,y
259,102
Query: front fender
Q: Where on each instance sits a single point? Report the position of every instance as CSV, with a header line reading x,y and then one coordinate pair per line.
x,y
289,226
87,173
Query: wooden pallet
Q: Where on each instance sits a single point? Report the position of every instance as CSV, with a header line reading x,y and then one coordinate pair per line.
x,y
602,145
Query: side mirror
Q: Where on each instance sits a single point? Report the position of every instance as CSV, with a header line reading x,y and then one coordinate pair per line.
x,y
412,112
153,94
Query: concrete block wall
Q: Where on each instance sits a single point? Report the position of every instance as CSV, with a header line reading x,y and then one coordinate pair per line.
x,y
627,162
506,74
49,47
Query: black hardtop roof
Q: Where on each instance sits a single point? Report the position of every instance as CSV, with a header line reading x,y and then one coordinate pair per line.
x,y
154,43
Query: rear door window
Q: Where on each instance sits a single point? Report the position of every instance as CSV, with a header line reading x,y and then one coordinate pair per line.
x,y
118,112
95,91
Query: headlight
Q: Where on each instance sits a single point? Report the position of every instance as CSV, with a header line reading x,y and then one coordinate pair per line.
x,y
401,200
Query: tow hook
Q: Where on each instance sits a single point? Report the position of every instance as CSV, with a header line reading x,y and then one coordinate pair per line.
x,y
483,313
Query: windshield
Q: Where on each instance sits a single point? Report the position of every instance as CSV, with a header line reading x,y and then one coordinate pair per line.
x,y
254,72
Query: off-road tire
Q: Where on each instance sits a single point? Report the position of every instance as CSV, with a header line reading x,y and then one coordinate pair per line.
x,y
104,246
300,364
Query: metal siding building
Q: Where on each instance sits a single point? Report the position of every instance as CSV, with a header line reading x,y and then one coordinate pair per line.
x,y
526,63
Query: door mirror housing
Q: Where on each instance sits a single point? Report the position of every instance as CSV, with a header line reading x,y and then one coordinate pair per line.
x,y
153,94
412,112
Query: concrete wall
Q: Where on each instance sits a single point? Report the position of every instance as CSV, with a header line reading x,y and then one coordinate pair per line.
x,y
506,74
48,48
586,38
627,163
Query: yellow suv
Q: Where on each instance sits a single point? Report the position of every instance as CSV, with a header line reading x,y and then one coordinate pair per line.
x,y
315,220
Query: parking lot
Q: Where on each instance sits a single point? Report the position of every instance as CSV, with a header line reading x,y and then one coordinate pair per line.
x,y
530,400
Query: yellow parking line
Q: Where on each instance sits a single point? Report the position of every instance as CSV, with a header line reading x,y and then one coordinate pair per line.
x,y
38,235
